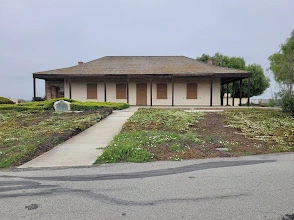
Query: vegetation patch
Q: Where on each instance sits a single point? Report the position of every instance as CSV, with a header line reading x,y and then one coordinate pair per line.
x,y
75,105
27,134
269,126
4,100
154,134
158,134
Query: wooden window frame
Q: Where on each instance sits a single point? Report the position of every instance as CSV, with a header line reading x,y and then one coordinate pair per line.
x,y
192,89
90,94
161,93
121,93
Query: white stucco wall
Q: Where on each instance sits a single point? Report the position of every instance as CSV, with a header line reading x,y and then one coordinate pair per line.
x,y
79,91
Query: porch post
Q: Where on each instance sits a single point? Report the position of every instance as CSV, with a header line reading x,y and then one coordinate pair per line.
x,y
240,88
227,94
34,80
233,94
104,88
173,85
150,90
69,82
128,89
248,93
211,90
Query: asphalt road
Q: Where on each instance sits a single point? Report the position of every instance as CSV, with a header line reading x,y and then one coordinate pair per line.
x,y
256,187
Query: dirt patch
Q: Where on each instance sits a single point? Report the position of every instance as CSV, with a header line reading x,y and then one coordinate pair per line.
x,y
214,130
216,140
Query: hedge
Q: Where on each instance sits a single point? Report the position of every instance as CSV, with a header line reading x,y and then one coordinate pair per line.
x,y
90,106
4,100
75,105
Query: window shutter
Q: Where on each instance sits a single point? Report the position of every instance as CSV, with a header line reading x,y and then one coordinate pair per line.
x,y
191,91
91,91
162,91
121,91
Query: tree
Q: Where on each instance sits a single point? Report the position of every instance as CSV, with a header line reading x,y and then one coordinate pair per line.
x,y
282,65
258,82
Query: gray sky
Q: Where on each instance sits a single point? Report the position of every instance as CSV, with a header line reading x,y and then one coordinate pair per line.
x,y
49,34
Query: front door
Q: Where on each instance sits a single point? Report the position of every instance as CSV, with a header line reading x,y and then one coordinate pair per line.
x,y
141,94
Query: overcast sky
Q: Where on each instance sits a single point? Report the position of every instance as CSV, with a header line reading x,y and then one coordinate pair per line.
x,y
42,35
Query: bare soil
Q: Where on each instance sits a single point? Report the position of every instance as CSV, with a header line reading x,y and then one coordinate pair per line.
x,y
214,130
217,140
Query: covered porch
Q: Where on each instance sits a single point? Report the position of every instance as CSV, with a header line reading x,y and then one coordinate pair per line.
x,y
61,86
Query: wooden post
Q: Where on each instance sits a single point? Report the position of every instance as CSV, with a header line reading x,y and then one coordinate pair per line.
x,y
69,82
173,85
211,90
240,88
227,94
128,100
150,90
104,88
233,94
34,88
248,92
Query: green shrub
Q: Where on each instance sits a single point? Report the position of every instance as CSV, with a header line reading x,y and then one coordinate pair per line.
x,y
38,99
287,102
75,105
4,100
92,106
272,102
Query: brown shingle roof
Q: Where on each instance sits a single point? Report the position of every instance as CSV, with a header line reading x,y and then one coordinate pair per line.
x,y
141,65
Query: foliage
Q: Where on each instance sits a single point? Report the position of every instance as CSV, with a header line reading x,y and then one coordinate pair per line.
x,y
75,105
92,106
4,100
150,133
159,119
258,82
282,63
38,99
265,125
287,101
23,134
272,102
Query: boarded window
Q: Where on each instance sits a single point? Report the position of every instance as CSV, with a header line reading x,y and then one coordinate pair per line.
x,y
91,91
162,91
191,91
121,91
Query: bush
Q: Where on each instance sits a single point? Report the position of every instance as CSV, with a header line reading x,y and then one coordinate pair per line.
x,y
92,106
38,99
5,101
272,102
287,102
75,105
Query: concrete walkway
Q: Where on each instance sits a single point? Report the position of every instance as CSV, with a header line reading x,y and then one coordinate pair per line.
x,y
84,148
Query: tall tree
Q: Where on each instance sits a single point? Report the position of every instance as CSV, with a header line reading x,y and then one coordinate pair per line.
x,y
282,63
258,81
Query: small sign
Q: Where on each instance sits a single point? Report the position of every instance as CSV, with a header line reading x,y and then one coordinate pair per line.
x,y
62,106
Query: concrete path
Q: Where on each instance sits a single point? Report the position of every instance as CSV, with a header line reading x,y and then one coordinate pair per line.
x,y
84,148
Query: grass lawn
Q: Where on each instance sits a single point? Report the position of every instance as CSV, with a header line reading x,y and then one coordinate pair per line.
x,y
159,134
25,135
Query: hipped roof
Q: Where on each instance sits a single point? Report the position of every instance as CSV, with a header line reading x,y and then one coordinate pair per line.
x,y
143,65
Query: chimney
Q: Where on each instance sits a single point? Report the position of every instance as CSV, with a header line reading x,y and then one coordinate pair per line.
x,y
80,62
209,62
